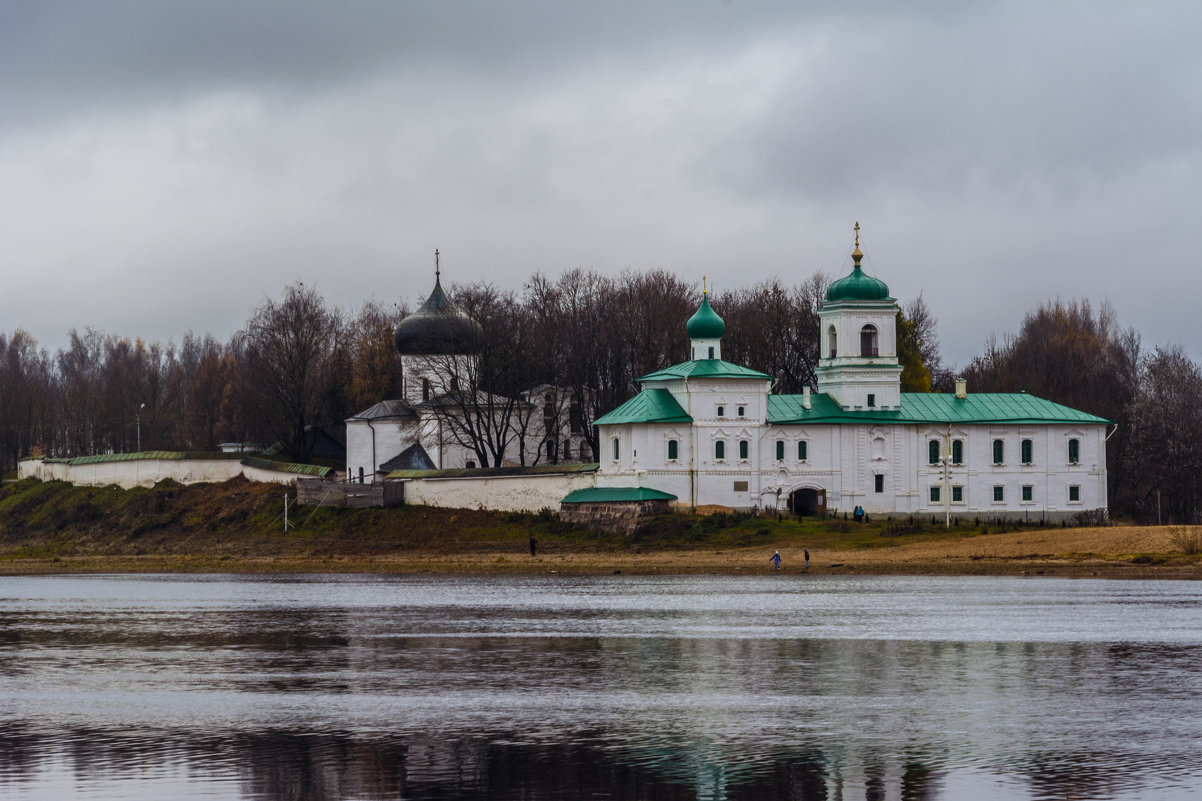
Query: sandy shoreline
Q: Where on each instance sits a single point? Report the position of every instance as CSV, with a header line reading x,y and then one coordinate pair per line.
x,y
1118,552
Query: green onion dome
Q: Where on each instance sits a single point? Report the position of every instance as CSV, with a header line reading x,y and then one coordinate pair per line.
x,y
705,323
858,285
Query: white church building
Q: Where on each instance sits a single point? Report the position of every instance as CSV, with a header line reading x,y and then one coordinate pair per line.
x,y
711,433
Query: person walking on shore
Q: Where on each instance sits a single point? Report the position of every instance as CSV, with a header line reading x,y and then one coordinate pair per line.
x,y
533,544
806,551
775,560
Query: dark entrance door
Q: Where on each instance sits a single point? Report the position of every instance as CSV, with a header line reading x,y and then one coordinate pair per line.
x,y
808,502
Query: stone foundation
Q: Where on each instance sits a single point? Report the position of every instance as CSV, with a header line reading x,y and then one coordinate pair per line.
x,y
614,517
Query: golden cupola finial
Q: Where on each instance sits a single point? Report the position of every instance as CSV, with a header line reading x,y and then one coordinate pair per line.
x,y
856,255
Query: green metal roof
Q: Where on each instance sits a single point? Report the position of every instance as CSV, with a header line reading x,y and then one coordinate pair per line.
x,y
704,368
705,322
979,408
288,467
497,472
616,494
649,406
175,456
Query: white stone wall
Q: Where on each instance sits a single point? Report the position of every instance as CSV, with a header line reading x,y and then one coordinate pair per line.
x,y
148,472
499,493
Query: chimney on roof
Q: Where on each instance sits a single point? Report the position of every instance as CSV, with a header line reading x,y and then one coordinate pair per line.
x,y
805,397
961,388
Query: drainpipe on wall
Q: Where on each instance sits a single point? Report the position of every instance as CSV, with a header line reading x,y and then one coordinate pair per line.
x,y
374,467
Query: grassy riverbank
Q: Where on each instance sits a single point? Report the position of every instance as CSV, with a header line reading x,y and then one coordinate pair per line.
x,y
238,527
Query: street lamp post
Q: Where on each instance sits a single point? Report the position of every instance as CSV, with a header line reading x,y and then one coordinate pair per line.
x,y
139,417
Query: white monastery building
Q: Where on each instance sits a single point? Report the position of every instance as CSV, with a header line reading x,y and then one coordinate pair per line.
x,y
708,432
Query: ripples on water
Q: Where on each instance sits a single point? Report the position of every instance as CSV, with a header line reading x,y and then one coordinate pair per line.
x,y
617,687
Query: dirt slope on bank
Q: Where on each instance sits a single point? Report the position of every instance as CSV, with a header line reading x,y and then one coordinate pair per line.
x,y
238,527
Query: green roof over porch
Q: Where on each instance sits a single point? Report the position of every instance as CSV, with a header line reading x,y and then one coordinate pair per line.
x,y
616,494
704,368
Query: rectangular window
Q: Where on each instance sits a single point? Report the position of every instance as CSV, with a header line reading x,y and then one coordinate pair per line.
x,y
1028,492
1074,493
801,451
742,411
719,450
999,451
957,451
957,494
880,483
934,495
871,400
617,449
999,494
933,451
1074,451
780,450
673,450
711,351
743,447
1027,449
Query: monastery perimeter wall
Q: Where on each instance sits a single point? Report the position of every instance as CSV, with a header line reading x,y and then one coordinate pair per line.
x,y
128,470
515,493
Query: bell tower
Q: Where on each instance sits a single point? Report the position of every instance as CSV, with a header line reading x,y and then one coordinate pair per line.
x,y
858,365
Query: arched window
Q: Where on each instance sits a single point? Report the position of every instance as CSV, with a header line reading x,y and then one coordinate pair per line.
x,y
780,450
567,449
360,475
801,451
617,449
957,451
834,338
868,341
999,451
673,450
1074,451
719,450
933,451
551,450
743,448
471,465
1027,452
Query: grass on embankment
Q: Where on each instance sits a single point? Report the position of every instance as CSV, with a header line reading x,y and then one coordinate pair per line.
x,y
238,526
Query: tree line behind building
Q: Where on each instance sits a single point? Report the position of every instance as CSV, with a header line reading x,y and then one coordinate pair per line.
x,y
300,364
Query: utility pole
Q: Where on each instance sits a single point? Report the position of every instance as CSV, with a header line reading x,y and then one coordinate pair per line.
x,y
139,418
946,459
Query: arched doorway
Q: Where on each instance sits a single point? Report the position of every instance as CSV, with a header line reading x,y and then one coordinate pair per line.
x,y
808,502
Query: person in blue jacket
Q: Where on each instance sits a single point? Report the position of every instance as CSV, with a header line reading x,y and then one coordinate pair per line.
x,y
776,560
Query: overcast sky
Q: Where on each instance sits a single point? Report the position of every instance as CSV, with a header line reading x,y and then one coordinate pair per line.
x,y
164,166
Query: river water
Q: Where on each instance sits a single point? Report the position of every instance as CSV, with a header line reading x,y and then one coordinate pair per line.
x,y
549,687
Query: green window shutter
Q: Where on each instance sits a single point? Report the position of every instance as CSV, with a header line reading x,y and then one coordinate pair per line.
x,y
719,450
999,451
934,495
1027,492
933,451
1074,451
999,493
1027,451
673,450
780,450
957,452
801,451
743,445
957,494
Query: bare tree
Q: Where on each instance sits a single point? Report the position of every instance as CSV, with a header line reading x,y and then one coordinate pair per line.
x,y
288,351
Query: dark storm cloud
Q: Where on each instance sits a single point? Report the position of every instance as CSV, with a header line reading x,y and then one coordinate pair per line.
x,y
208,153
